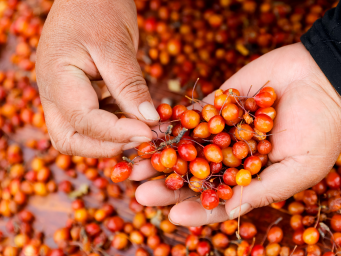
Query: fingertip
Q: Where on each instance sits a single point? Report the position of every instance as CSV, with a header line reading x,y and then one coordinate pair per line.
x,y
149,113
146,193
188,213
142,170
133,128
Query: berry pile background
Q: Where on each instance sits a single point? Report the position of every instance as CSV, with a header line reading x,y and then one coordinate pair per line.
x,y
180,41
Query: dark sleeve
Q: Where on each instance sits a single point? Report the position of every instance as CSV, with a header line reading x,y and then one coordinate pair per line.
x,y
323,41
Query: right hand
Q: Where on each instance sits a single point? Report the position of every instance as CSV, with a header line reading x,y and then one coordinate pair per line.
x,y
83,41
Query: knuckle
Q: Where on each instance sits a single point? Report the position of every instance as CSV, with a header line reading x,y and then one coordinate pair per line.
x,y
65,146
265,200
133,88
78,120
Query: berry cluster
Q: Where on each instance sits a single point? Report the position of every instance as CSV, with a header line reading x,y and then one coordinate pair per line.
x,y
205,148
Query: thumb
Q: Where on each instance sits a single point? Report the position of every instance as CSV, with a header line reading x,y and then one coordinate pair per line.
x,y
277,182
121,72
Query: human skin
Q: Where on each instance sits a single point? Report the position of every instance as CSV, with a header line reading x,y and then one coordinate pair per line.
x,y
89,40
93,40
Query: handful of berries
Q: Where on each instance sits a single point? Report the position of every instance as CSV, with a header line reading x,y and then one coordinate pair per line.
x,y
212,150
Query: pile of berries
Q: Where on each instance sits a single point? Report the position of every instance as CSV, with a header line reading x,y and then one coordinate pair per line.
x,y
205,148
214,39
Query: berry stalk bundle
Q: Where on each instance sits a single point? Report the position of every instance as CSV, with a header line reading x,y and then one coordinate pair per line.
x,y
212,150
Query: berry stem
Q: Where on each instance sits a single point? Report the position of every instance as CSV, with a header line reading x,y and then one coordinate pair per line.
x,y
261,88
240,208
270,226
249,90
293,250
196,82
318,217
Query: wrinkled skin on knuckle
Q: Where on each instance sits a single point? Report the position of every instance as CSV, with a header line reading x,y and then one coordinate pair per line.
x,y
264,201
78,120
132,89
64,146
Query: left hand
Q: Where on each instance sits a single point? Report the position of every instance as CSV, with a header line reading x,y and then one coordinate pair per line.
x,y
309,116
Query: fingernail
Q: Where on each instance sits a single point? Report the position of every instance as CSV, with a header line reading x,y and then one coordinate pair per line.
x,y
131,145
139,139
243,209
148,111
172,221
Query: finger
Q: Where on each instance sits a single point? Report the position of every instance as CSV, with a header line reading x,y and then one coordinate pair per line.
x,y
278,182
155,193
78,103
122,74
66,140
143,170
192,214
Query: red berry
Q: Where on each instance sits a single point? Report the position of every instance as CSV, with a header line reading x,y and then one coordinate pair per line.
x,y
200,168
240,149
311,236
209,199
190,119
263,123
216,167
222,139
275,235
224,192
243,177
165,112
208,112
168,157
333,180
253,164
230,112
264,147
264,99
229,176
247,230
187,152
121,172
146,150
270,111
177,112
174,181
213,153
156,162
181,166
203,248
216,124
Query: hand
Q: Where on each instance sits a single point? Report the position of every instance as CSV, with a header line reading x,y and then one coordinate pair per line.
x,y
84,41
306,139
